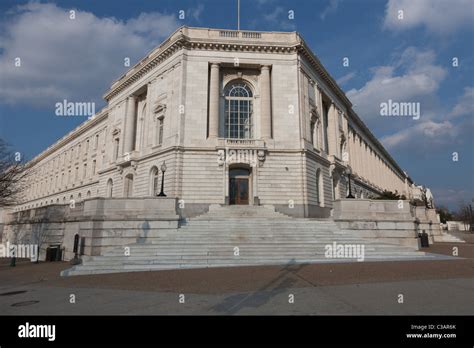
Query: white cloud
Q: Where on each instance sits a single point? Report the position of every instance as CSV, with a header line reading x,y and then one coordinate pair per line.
x,y
465,104
414,77
437,16
330,8
423,136
196,12
346,78
75,59
278,18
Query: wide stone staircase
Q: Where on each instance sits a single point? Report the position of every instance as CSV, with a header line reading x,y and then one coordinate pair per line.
x,y
239,236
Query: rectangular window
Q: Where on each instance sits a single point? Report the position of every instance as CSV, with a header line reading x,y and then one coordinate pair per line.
x,y
116,148
93,167
96,143
160,131
325,116
84,173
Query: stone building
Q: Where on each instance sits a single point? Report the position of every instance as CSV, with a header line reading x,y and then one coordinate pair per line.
x,y
248,136
238,117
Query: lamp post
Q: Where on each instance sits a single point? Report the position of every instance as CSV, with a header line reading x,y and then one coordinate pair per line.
x,y
163,170
348,172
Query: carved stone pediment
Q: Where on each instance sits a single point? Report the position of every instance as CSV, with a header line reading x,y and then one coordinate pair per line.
x,y
159,108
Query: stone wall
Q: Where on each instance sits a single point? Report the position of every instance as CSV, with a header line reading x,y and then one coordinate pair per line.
x,y
105,223
395,222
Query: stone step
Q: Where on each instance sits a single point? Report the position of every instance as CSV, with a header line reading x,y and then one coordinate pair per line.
x,y
264,237
229,255
238,219
240,235
214,260
82,270
242,251
257,244
267,246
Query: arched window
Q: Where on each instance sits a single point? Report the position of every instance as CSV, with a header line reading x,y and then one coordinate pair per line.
x,y
238,110
88,194
110,188
154,181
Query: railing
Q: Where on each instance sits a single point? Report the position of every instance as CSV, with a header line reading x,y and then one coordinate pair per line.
x,y
241,34
226,33
251,35
240,142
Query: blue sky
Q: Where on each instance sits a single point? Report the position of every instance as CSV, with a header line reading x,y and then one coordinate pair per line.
x,y
406,60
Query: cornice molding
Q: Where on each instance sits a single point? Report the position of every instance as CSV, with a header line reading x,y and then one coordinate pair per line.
x,y
81,129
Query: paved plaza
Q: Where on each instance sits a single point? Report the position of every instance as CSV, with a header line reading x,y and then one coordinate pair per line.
x,y
440,286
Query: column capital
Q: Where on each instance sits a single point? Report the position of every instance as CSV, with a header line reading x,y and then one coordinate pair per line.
x,y
265,67
215,65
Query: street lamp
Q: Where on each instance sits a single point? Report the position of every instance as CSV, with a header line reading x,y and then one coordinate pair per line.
x,y
348,172
163,170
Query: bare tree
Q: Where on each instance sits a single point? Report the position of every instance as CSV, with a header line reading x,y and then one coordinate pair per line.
x,y
13,172
465,215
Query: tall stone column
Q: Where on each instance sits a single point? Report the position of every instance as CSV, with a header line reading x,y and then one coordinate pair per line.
x,y
382,172
370,156
214,101
332,128
360,156
130,123
363,154
356,153
377,174
265,109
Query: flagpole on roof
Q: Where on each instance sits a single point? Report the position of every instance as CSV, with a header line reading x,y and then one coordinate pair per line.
x,y
238,15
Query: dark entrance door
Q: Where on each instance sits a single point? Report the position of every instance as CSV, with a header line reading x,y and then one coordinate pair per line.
x,y
239,191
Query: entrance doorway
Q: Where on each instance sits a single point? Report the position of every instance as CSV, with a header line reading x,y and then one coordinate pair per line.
x,y
239,186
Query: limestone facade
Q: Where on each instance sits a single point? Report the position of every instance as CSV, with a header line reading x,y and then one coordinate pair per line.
x,y
238,117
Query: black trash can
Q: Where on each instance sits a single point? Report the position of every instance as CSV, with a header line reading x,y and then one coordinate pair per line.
x,y
424,239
